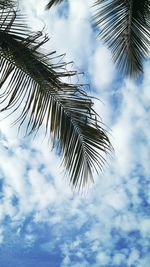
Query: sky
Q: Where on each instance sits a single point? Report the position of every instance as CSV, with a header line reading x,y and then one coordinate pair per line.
x,y
42,221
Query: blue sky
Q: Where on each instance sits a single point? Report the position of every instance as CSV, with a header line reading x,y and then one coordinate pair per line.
x,y
44,223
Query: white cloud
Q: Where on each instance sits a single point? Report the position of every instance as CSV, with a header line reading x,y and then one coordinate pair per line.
x,y
118,259
102,258
1,235
102,68
133,257
145,226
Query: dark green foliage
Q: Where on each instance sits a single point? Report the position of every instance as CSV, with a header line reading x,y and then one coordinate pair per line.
x,y
53,2
7,4
125,28
34,82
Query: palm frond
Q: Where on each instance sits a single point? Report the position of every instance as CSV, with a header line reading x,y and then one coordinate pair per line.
x,y
53,2
125,28
6,4
67,111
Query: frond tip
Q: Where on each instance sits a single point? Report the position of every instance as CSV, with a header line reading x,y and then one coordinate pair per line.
x,y
53,2
125,28
35,84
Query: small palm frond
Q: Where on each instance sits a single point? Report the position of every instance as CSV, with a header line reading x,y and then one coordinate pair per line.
x,y
125,28
30,78
53,2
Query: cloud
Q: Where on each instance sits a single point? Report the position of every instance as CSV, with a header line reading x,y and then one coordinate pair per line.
x,y
102,67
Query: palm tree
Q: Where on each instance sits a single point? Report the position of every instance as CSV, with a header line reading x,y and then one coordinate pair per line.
x,y
32,80
125,28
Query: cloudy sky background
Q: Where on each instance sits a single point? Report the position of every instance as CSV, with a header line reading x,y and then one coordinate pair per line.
x,y
44,223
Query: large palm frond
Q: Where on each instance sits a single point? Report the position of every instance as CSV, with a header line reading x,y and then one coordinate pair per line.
x,y
125,28
30,76
53,2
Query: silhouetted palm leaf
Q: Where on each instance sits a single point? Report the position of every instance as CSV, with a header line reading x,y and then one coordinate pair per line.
x,y
53,2
125,28
6,4
30,76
